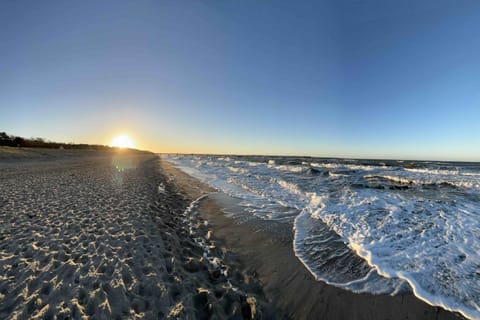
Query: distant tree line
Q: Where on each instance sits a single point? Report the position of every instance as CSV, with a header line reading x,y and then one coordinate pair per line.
x,y
20,142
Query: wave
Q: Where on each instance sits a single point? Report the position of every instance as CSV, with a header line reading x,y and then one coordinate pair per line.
x,y
291,187
368,226
418,242
434,171
332,261
314,172
238,170
290,168
348,167
308,170
399,182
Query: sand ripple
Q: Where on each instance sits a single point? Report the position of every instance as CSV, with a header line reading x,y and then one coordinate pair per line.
x,y
89,239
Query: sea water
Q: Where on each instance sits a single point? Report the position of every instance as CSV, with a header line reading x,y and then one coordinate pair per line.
x,y
367,225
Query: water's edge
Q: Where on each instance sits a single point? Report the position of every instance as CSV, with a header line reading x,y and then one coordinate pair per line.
x,y
369,275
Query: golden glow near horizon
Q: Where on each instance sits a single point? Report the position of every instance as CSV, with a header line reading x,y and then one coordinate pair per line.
x,y
122,141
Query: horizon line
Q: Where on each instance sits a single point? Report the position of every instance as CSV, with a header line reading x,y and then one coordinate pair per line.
x,y
308,156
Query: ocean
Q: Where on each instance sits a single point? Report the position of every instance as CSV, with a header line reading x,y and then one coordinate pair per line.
x,y
375,226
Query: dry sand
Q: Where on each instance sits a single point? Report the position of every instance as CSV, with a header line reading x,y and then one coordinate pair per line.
x,y
262,252
101,235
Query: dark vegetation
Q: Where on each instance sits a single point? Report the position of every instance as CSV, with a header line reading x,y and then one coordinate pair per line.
x,y
14,141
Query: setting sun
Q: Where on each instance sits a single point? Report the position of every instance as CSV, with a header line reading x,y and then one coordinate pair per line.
x,y
122,141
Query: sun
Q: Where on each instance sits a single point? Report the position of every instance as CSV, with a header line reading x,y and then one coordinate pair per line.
x,y
122,141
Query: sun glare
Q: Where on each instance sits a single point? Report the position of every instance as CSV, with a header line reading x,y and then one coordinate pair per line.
x,y
122,141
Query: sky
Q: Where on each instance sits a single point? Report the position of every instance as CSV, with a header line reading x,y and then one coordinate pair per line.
x,y
365,79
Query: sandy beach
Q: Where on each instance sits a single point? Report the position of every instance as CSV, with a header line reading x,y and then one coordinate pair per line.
x,y
239,160
90,235
119,235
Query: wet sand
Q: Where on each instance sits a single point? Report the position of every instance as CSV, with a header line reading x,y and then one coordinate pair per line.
x,y
263,252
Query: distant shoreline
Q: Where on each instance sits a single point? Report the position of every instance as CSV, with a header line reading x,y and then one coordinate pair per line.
x,y
13,141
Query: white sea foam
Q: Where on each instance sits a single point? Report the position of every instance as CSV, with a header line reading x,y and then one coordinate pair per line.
x,y
416,226
238,170
453,171
291,187
344,166
288,168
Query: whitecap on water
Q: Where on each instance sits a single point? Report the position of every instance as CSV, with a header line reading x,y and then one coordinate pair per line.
x,y
368,226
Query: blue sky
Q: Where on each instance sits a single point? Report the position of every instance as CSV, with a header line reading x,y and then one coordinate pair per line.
x,y
388,79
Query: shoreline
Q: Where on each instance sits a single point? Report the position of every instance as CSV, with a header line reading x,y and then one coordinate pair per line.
x,y
120,235
286,283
